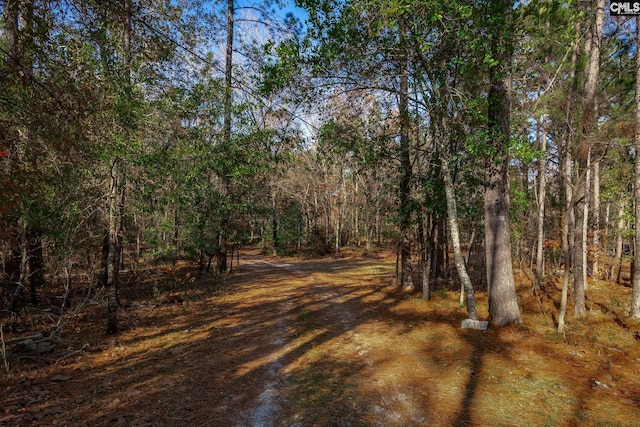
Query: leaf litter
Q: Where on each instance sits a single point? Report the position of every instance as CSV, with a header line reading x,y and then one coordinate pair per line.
x,y
327,341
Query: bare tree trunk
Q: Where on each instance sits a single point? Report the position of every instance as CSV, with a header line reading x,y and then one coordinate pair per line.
x,y
503,303
619,241
605,233
472,242
454,232
225,173
588,124
596,219
635,295
615,271
378,227
121,215
104,259
405,172
116,199
228,73
274,223
136,224
112,257
542,189
579,249
585,223
569,217
425,258
336,242
567,241
356,216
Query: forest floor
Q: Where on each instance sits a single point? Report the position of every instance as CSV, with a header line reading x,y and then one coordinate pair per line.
x,y
327,342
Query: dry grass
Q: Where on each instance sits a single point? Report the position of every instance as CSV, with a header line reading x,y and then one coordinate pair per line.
x,y
328,342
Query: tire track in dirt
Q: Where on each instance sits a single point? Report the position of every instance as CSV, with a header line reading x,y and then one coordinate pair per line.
x,y
267,408
342,347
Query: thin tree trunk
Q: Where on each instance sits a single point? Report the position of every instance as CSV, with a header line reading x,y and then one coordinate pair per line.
x,y
566,248
596,219
619,240
116,200
454,232
225,173
567,241
356,213
327,228
605,233
228,73
435,255
542,189
104,259
121,215
585,223
378,230
405,171
136,224
615,271
274,223
579,248
635,295
425,259
568,217
336,243
446,265
588,125
112,261
472,242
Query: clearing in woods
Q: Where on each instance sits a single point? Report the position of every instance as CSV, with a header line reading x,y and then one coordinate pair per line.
x,y
329,342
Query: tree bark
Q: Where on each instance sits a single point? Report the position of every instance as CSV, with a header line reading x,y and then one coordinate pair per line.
x,y
112,257
605,232
454,232
434,252
425,259
615,271
567,241
587,126
405,172
596,219
221,252
635,295
274,223
542,189
503,303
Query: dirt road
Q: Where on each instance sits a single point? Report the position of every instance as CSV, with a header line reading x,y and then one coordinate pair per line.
x,y
325,342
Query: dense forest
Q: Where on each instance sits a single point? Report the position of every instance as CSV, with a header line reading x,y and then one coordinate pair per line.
x,y
471,137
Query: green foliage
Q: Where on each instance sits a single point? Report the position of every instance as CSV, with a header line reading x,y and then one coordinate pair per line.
x,y
441,293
